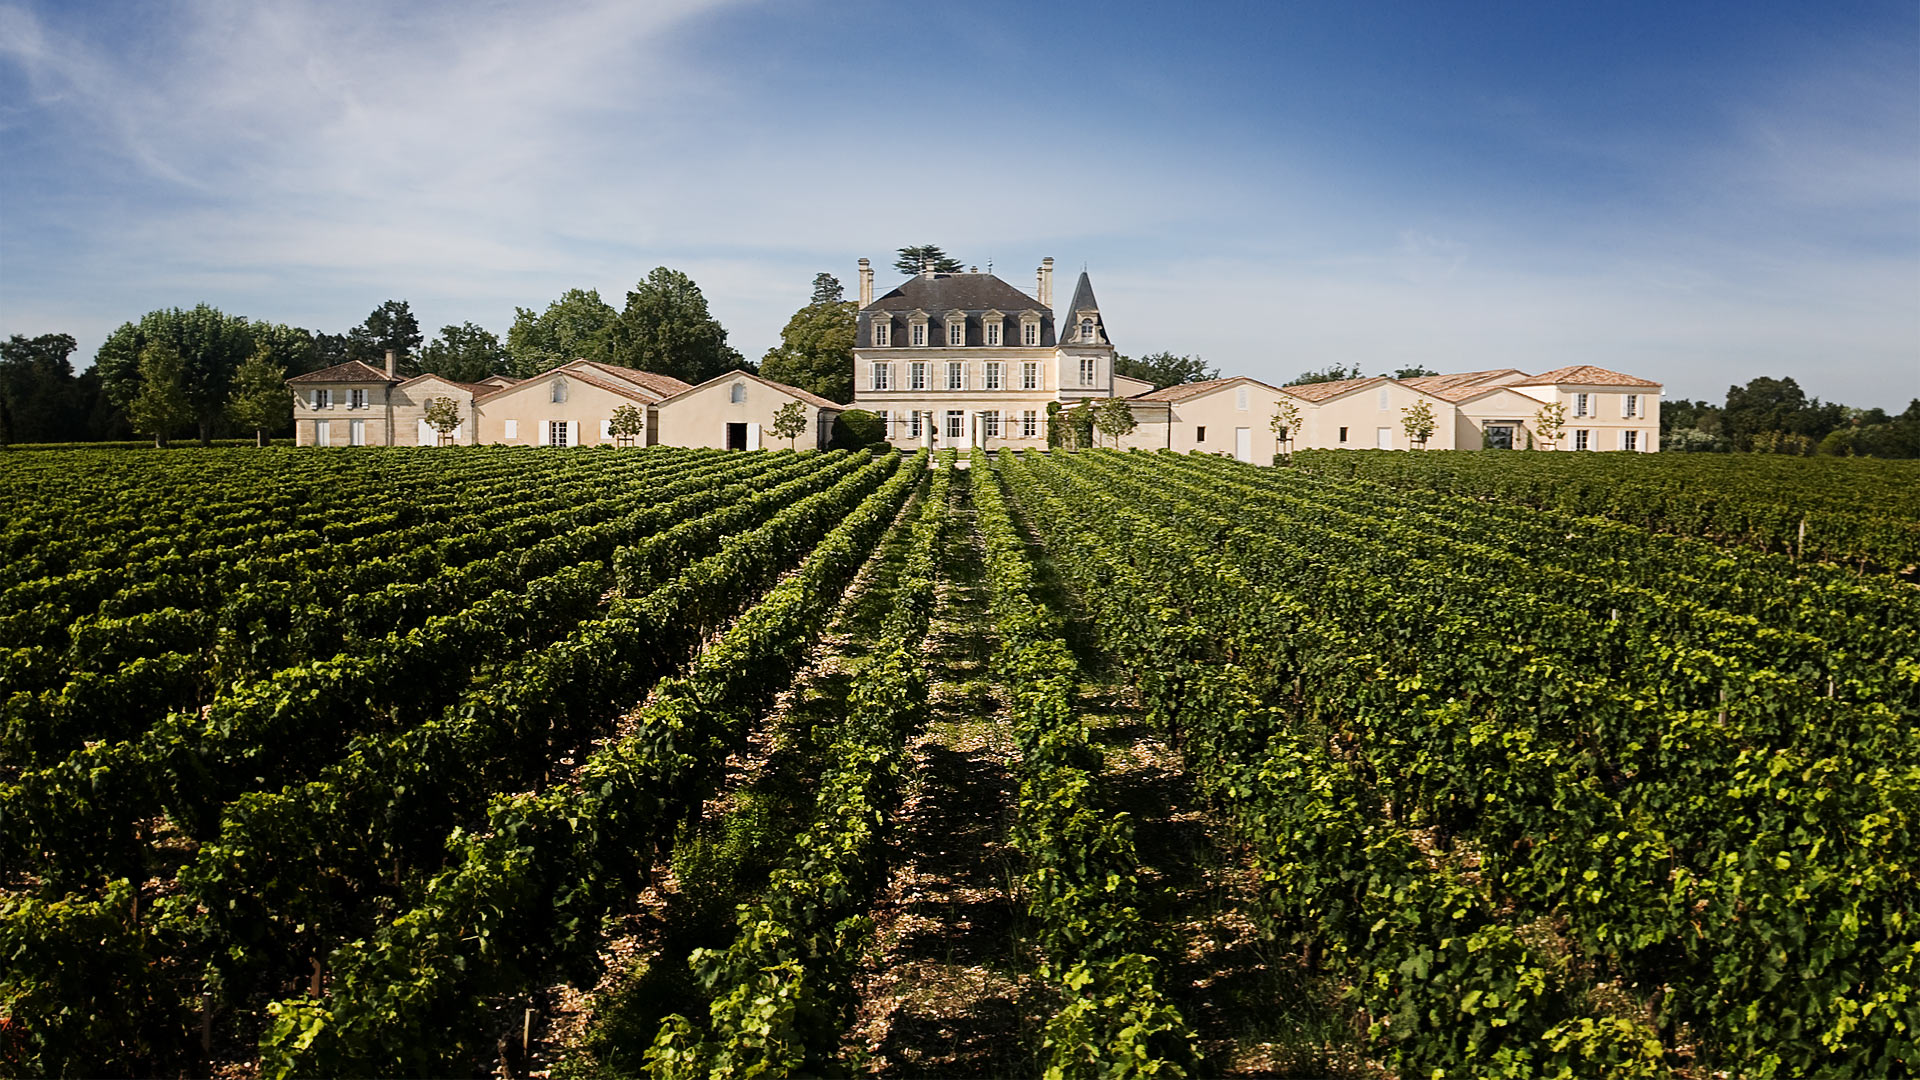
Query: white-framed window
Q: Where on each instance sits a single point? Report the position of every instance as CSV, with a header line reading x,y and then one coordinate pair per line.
x,y
1089,370
917,375
991,332
356,433
1030,375
990,424
956,375
356,399
882,331
511,429
1086,329
1200,433
1240,398
879,377
1629,440
1386,399
323,433
1582,404
323,399
1029,333
956,424
1582,438
957,332
913,424
994,372
1030,424
1630,406
557,432
919,333
737,394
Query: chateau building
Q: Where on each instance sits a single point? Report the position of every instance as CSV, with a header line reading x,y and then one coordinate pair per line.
x,y
967,359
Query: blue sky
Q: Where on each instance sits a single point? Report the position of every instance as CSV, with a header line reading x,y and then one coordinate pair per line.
x,y
1696,193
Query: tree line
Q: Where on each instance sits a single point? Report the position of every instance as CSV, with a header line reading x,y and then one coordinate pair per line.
x,y
1775,416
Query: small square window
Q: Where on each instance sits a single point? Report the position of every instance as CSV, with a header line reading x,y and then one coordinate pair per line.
x,y
1343,434
1200,434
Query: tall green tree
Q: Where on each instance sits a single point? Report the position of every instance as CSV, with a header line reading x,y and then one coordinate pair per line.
x,y
826,289
162,405
261,402
913,259
816,347
389,326
464,353
578,326
40,400
666,328
1335,372
1163,369
210,345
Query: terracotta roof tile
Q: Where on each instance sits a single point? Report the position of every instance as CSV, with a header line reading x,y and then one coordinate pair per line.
x,y
351,371
1321,391
1585,375
1183,391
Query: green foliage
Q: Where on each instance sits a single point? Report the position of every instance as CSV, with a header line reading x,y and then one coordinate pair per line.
x,y
40,400
666,328
464,353
790,422
261,401
856,428
1418,421
1164,369
161,407
816,350
627,424
826,290
389,326
1114,418
1286,420
1413,372
577,326
913,259
1551,423
210,345
442,415
1335,372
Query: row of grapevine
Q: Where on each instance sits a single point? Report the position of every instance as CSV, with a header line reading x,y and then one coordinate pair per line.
x,y
75,821
1342,676
1843,510
523,898
1081,883
263,629
779,997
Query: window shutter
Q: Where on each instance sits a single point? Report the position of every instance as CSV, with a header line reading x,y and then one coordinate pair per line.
x,y
573,433
606,429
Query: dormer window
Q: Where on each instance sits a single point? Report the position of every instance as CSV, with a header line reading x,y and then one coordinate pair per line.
x,y
956,333
882,330
990,324
917,329
1030,328
1086,329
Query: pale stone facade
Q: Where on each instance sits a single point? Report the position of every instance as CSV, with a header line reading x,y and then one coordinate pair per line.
x,y
736,411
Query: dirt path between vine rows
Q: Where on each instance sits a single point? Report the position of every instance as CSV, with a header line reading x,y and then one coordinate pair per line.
x,y
947,990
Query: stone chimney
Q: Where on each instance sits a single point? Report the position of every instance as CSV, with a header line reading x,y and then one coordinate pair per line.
x,y
866,282
1045,294
391,364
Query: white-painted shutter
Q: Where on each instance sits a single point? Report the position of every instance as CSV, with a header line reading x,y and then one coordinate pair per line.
x,y
426,434
512,429
753,436
606,431
573,433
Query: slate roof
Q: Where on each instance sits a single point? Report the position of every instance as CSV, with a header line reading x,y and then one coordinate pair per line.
x,y
351,371
1083,301
1183,391
976,294
1585,375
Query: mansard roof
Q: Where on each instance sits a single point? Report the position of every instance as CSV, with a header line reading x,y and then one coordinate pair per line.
x,y
974,293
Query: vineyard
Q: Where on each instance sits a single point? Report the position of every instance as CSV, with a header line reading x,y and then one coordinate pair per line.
x,y
691,763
